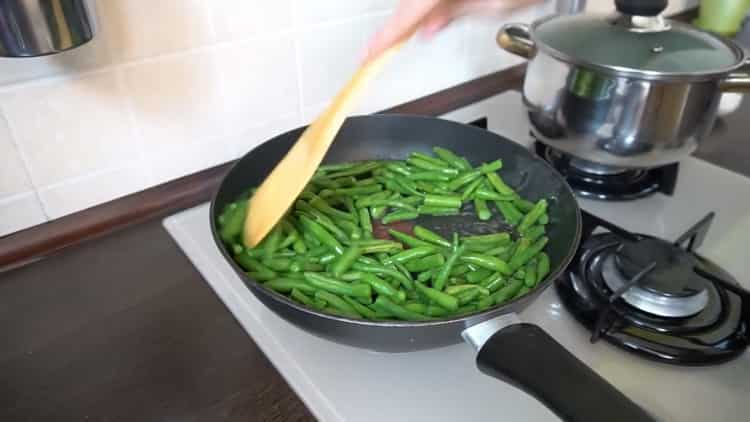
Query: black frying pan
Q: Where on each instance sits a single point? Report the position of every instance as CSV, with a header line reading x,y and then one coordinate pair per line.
x,y
519,353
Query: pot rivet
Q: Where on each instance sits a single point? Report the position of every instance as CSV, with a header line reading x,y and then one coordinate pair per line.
x,y
657,49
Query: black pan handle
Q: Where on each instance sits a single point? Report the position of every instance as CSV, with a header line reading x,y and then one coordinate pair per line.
x,y
641,7
527,357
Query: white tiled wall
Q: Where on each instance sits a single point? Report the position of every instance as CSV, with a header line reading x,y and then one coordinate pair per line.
x,y
170,87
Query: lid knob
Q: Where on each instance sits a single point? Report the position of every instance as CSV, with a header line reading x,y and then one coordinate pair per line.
x,y
641,7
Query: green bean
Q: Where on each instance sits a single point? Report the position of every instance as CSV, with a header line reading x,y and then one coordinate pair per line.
x,y
345,261
237,249
523,291
485,303
338,304
356,170
278,264
352,229
325,168
319,233
491,167
399,216
410,254
304,299
357,190
434,160
529,219
494,239
442,299
499,185
483,213
530,280
460,288
393,203
488,195
409,241
468,191
430,236
508,291
364,220
523,205
424,276
511,215
542,268
377,268
467,296
360,308
519,260
426,263
408,186
487,261
533,233
543,219
442,275
262,276
339,287
378,211
398,167
321,205
477,276
320,218
417,307
451,158
398,311
382,287
430,188
234,222
426,165
438,211
493,282
379,246
463,179
328,258
497,250
286,285
442,201
466,309
228,209
460,269
430,176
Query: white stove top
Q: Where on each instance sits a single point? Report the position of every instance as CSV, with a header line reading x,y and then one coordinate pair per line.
x,y
341,383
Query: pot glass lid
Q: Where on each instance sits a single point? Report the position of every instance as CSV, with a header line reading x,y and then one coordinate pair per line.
x,y
636,43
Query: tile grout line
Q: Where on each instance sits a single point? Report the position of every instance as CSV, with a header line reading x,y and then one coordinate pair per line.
x,y
25,161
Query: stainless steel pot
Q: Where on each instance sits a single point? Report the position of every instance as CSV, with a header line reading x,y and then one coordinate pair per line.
x,y
592,99
30,28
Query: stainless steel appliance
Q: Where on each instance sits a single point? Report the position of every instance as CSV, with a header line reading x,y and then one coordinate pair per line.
x,y
30,28
631,90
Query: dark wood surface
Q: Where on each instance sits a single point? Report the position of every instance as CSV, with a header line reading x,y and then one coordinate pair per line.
x,y
42,240
125,329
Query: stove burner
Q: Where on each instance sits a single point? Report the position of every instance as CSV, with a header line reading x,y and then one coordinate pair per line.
x,y
621,287
647,299
597,181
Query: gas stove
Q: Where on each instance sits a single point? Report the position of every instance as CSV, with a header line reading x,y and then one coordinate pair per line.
x,y
624,240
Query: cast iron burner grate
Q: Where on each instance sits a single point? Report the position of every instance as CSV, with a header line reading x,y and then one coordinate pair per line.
x,y
589,180
668,303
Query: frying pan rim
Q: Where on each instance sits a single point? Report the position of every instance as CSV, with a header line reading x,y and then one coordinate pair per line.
x,y
476,316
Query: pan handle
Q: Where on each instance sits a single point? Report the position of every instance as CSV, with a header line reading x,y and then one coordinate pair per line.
x,y
527,357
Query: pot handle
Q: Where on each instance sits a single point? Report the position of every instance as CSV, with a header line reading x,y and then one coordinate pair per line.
x,y
527,357
737,81
515,38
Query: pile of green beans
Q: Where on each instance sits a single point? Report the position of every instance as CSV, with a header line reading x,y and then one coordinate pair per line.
x,y
324,253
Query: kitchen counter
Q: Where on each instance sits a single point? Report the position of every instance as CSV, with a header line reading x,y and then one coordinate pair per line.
x,y
124,328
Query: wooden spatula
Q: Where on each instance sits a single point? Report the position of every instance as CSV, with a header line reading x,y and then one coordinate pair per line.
x,y
289,177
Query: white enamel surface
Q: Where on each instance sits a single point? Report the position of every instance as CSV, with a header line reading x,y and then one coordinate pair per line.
x,y
340,383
